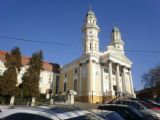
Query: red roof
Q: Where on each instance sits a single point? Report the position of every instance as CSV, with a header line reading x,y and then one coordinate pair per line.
x,y
46,65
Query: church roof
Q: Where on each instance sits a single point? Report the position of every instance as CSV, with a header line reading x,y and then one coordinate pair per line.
x,y
90,13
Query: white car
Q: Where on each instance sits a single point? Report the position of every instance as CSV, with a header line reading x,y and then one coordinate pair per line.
x,y
46,113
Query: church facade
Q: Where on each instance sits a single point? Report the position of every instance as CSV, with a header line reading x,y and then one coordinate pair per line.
x,y
95,75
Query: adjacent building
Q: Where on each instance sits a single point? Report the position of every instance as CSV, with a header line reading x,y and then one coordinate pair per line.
x,y
48,76
97,75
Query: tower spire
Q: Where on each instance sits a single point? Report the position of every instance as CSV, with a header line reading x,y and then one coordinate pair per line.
x,y
116,40
90,7
114,24
91,30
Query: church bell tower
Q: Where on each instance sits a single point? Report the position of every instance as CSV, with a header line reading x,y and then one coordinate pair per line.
x,y
116,40
90,30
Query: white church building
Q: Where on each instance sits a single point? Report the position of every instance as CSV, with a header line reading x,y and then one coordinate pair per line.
x,y
97,75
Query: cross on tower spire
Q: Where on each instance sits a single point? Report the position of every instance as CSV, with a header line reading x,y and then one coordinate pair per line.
x,y
90,7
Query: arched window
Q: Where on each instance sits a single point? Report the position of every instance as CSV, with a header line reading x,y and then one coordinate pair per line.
x,y
75,85
90,46
65,87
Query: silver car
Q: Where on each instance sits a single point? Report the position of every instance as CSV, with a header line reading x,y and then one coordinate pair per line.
x,y
46,113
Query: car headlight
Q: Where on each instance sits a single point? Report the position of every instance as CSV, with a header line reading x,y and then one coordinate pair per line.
x,y
158,115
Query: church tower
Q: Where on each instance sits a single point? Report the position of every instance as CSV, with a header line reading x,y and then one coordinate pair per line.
x,y
90,30
116,40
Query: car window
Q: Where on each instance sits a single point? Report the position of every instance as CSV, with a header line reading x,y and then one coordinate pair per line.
x,y
102,107
128,115
107,108
137,106
126,102
26,116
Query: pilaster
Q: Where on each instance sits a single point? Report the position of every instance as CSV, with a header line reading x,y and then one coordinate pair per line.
x,y
124,80
117,77
131,82
110,78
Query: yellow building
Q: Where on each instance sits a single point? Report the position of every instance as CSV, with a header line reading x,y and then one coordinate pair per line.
x,y
96,75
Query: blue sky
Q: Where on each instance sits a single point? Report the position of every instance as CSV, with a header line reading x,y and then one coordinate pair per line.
x,y
61,21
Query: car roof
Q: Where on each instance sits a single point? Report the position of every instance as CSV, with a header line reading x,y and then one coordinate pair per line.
x,y
72,114
100,111
119,105
6,112
53,112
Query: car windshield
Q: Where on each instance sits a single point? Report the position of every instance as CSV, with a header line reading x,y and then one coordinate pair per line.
x,y
113,116
139,113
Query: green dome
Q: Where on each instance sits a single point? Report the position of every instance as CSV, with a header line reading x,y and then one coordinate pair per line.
x,y
90,13
115,29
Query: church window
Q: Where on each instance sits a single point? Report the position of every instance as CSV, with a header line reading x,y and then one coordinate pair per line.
x,y
75,85
106,70
120,74
90,46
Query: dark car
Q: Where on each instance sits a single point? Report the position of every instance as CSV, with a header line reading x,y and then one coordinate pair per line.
x,y
152,102
126,112
146,110
107,115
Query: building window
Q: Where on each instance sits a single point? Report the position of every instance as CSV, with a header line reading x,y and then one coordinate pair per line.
x,y
106,70
50,78
90,46
65,75
75,71
49,81
120,74
65,87
57,83
75,85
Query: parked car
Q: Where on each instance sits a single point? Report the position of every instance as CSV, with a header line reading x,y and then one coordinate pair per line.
x,y
152,102
140,107
126,112
150,106
107,115
47,113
